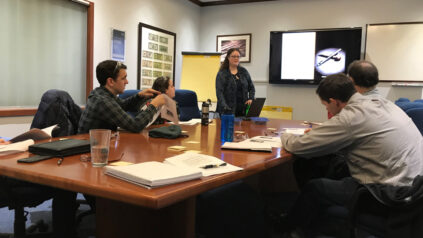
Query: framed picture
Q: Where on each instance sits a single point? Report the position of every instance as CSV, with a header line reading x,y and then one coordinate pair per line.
x,y
156,55
240,41
118,45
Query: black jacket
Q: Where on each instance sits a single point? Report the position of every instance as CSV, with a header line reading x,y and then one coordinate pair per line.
x,y
226,89
57,107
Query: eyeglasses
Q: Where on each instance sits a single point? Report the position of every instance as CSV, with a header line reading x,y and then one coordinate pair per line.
x,y
118,65
235,56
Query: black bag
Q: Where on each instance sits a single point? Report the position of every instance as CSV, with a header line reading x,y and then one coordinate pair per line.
x,y
61,148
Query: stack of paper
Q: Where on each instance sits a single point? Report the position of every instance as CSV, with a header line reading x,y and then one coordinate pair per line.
x,y
183,167
249,144
15,147
153,174
208,165
295,131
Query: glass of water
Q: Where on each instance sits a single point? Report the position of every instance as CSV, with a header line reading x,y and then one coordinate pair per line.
x,y
100,143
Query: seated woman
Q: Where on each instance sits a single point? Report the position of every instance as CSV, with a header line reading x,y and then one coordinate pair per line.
x,y
164,85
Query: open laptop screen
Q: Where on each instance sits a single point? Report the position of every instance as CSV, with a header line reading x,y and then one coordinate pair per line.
x,y
255,108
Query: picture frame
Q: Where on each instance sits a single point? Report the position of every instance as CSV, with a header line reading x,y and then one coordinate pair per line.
x,y
240,41
118,45
156,55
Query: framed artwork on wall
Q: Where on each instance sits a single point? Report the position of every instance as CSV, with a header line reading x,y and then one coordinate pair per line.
x,y
240,41
118,45
156,54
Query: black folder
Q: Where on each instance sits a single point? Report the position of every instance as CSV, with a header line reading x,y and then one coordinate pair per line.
x,y
61,148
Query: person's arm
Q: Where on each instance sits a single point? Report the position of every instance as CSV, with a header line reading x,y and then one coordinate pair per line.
x,y
330,137
4,142
134,102
220,89
114,114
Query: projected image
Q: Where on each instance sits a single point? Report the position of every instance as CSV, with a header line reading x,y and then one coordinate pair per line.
x,y
308,56
330,61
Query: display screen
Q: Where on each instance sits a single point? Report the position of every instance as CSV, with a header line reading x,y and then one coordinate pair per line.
x,y
308,56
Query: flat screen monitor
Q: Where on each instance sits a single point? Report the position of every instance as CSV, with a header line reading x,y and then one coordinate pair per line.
x,y
308,56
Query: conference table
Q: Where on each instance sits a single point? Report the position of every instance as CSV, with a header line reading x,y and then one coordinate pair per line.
x,y
126,210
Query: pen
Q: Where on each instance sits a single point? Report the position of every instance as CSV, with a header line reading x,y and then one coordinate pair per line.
x,y
209,166
59,162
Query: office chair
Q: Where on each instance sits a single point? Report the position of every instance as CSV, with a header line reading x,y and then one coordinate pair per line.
x,y
16,195
128,93
58,107
367,217
188,104
404,105
416,114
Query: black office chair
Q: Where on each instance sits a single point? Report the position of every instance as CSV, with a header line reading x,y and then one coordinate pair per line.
x,y
370,218
58,108
16,195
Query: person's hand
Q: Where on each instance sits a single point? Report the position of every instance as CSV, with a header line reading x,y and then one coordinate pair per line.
x,y
148,93
158,101
3,142
249,102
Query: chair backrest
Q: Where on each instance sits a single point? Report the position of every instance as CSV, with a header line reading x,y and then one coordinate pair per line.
x,y
188,104
409,105
128,93
416,114
57,107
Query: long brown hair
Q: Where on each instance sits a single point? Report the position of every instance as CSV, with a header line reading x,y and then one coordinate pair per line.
x,y
225,64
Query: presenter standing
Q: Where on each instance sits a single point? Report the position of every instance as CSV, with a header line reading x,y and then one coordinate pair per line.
x,y
234,88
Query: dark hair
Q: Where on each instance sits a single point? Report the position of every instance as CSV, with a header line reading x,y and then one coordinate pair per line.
x,y
364,73
336,86
108,69
161,84
225,64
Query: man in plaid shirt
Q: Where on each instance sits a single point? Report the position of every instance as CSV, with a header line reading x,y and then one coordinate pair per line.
x,y
105,110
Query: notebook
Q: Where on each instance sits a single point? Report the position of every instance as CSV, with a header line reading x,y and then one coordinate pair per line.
x,y
153,174
255,108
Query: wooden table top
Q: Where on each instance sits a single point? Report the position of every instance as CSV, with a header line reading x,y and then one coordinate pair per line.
x,y
78,176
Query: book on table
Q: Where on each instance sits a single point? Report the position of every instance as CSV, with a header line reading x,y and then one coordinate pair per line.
x,y
180,168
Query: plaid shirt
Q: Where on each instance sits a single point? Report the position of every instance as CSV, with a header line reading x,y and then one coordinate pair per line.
x,y
106,111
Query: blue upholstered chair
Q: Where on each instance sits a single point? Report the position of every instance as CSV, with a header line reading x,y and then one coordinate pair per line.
x,y
416,114
404,105
188,104
128,93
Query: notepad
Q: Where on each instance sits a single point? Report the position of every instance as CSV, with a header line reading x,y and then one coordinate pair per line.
x,y
153,174
199,161
250,144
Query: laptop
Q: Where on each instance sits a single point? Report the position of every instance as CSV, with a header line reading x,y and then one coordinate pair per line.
x,y
255,108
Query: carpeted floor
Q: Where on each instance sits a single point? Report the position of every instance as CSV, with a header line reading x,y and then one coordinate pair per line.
x,y
86,229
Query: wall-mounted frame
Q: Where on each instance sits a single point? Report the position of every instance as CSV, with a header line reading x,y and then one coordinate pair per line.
x,y
156,54
240,41
118,45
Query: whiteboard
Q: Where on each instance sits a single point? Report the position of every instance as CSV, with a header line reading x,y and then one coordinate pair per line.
x,y
397,51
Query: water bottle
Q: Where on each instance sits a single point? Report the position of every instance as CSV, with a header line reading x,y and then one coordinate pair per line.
x,y
227,127
205,114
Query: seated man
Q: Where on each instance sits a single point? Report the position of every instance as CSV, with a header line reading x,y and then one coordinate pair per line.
x,y
105,110
380,144
365,77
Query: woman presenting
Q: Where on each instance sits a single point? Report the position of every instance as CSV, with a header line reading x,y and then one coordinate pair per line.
x,y
234,88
